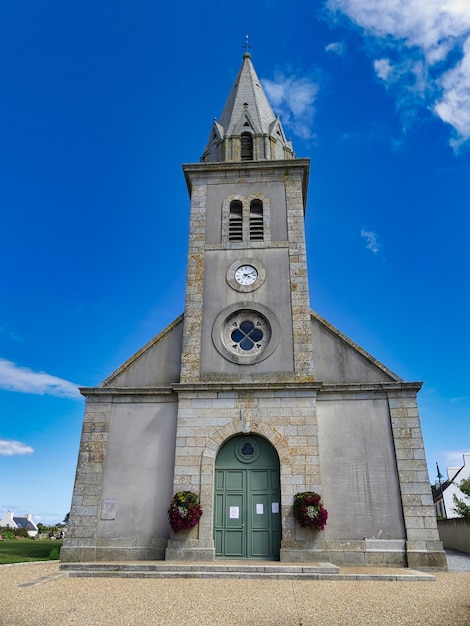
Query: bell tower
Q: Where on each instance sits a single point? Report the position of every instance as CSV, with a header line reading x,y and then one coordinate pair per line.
x,y
247,314
247,367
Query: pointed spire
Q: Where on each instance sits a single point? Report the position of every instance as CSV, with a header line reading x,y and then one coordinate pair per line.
x,y
248,130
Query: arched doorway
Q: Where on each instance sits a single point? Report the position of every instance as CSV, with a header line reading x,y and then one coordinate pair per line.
x,y
247,511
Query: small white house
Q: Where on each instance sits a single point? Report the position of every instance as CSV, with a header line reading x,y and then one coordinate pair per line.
x,y
15,521
444,492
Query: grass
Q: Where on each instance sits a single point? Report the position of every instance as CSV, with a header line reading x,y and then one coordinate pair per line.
x,y
26,550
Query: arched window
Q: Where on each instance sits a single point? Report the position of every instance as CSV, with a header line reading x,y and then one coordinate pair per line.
x,y
246,147
246,221
256,221
235,227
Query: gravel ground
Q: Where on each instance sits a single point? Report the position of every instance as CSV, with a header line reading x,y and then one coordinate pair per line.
x,y
38,594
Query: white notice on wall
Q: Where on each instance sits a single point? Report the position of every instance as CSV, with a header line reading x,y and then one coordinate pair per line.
x,y
275,507
234,512
259,509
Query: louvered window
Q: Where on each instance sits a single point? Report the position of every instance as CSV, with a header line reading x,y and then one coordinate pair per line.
x,y
246,147
235,227
256,221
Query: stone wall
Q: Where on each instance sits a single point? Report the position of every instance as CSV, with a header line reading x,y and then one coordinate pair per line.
x,y
424,547
80,542
455,534
124,477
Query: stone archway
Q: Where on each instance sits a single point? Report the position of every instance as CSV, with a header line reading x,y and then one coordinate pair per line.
x,y
247,513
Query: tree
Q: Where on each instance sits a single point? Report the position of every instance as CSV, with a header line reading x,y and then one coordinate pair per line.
x,y
66,519
460,506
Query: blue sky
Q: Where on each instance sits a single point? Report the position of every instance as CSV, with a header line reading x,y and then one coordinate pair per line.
x,y
100,105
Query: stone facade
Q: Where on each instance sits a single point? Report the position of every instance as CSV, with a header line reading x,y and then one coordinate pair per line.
x,y
249,357
283,414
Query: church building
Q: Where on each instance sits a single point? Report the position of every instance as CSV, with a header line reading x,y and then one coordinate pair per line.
x,y
250,397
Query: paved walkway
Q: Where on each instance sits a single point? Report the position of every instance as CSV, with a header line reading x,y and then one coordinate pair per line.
x,y
458,561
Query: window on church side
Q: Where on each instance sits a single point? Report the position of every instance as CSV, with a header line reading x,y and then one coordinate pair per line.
x,y
256,221
246,147
235,228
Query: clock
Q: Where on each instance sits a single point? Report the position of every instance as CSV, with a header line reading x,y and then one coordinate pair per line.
x,y
246,275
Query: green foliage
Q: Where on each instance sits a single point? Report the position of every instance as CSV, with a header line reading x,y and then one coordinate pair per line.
x,y
7,533
54,554
10,533
42,528
22,551
461,507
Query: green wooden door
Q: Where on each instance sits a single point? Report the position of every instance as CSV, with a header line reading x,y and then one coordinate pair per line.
x,y
247,520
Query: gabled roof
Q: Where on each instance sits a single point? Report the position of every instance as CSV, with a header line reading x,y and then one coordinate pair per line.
x,y
24,522
155,364
338,359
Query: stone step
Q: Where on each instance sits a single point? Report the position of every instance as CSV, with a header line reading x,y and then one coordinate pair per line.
x,y
234,570
166,569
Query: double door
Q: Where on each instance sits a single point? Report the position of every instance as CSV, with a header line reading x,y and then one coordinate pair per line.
x,y
247,522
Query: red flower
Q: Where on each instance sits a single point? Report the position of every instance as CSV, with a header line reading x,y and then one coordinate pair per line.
x,y
184,511
309,510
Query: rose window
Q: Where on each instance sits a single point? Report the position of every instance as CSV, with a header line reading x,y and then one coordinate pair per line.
x,y
246,333
247,336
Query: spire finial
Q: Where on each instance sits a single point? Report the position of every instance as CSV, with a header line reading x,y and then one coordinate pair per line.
x,y
246,46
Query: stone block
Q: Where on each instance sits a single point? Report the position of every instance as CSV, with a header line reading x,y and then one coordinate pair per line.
x,y
77,500
427,560
85,510
385,559
411,500
91,500
420,534
408,476
351,559
414,488
72,555
405,422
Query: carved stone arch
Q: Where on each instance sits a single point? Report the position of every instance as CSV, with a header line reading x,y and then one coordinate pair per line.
x,y
221,435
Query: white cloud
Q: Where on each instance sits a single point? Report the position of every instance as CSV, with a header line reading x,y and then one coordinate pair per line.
x,y
293,99
336,47
425,52
383,69
9,447
371,240
454,106
24,380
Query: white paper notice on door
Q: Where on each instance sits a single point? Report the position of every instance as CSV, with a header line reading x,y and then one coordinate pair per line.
x,y
259,509
275,507
234,512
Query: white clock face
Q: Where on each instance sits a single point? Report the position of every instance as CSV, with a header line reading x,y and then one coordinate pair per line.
x,y
246,275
